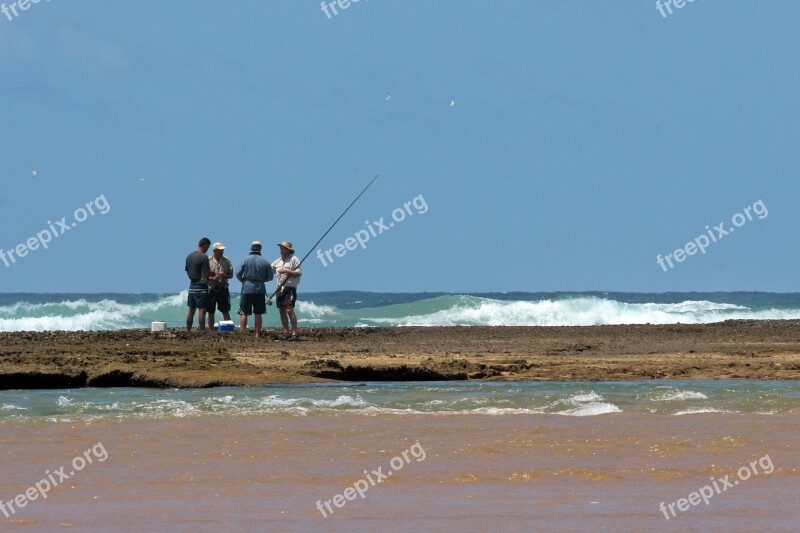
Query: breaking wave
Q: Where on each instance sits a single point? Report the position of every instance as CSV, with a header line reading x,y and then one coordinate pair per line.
x,y
115,312
582,311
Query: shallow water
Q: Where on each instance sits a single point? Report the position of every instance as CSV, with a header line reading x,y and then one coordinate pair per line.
x,y
431,398
478,457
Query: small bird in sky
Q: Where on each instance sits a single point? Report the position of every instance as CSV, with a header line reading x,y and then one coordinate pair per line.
x,y
388,97
452,103
142,179
34,173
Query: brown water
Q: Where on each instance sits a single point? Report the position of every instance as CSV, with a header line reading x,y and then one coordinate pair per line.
x,y
478,473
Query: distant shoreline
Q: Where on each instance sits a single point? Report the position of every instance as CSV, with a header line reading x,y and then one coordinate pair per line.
x,y
764,350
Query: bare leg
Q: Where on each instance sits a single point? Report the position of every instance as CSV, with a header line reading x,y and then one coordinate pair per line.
x,y
293,318
243,323
226,315
190,318
202,319
284,322
258,326
210,321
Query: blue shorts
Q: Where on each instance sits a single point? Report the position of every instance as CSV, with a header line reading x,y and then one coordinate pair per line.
x,y
198,296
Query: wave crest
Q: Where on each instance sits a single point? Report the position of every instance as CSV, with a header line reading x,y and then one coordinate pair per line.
x,y
582,311
452,310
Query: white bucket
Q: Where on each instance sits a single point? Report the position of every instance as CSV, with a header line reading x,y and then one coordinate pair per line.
x,y
158,326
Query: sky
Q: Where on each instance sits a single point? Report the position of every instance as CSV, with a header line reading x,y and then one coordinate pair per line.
x,y
522,145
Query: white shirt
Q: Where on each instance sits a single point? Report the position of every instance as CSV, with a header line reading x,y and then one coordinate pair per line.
x,y
293,263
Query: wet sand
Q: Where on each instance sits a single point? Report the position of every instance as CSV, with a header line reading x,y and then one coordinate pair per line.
x,y
728,350
479,473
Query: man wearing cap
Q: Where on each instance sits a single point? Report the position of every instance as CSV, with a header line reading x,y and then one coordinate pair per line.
x,y
197,270
253,273
287,267
220,271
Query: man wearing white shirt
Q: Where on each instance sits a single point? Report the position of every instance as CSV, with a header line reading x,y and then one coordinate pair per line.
x,y
287,267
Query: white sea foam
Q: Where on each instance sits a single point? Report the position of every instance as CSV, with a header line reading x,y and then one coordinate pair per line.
x,y
699,411
505,411
591,409
373,410
680,395
64,401
225,399
170,408
432,403
585,311
81,315
275,402
317,311
109,314
583,404
591,397
341,401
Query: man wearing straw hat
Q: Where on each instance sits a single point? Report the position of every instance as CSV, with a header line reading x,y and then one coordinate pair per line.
x,y
288,269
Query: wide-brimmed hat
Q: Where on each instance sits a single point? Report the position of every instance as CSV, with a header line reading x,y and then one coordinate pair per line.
x,y
287,245
218,246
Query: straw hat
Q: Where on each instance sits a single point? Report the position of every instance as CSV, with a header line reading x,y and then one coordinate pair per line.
x,y
287,245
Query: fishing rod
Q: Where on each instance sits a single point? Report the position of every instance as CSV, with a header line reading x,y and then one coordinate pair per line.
x,y
280,285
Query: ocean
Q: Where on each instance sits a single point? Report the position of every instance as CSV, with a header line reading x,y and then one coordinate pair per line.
x,y
463,456
72,312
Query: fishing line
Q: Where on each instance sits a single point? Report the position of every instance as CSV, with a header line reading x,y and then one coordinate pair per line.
x,y
280,285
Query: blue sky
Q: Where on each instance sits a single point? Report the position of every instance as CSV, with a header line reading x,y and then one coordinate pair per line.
x,y
586,138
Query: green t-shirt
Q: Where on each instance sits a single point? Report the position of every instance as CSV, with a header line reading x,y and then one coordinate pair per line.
x,y
197,267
